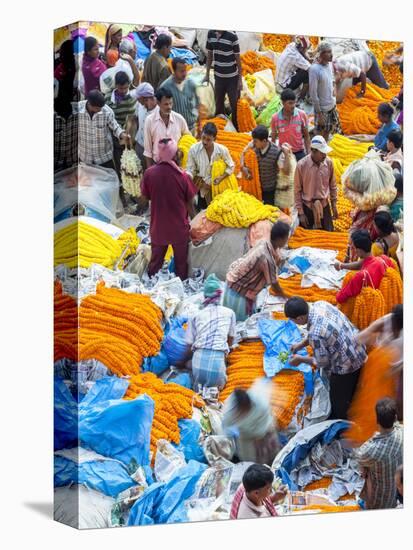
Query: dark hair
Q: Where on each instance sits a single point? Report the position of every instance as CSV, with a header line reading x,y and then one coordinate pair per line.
x,y
162,92
66,53
385,109
397,317
256,477
296,306
90,42
398,182
96,98
361,239
386,412
210,129
260,132
162,41
401,67
242,398
280,230
176,61
288,95
121,78
396,137
384,222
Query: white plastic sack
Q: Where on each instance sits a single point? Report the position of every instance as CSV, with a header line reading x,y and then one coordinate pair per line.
x,y
168,461
205,93
264,87
107,78
82,508
188,35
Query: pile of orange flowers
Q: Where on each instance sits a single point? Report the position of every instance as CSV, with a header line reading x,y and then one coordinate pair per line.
x,y
276,42
344,208
326,508
253,185
324,483
292,287
172,402
219,122
317,238
391,73
359,115
65,325
391,287
246,121
375,382
246,364
252,62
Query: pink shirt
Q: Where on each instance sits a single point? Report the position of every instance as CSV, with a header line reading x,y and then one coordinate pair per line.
x,y
92,68
312,181
290,131
155,130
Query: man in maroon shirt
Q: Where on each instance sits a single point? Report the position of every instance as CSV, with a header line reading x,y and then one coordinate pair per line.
x,y
171,193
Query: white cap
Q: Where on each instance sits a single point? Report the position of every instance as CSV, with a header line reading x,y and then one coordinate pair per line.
x,y
319,143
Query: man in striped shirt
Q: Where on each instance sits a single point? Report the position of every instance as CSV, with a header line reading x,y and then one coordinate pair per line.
x,y
183,90
224,55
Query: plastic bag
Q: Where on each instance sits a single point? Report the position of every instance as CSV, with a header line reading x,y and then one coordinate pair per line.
x,y
107,78
202,228
82,508
273,107
94,187
65,417
158,364
168,461
264,88
182,379
97,472
189,445
204,92
174,344
369,182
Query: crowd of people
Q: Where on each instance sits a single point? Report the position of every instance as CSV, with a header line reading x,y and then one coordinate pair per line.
x,y
150,109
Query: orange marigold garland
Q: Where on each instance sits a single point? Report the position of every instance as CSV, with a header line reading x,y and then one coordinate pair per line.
x,y
65,325
292,287
246,121
391,287
252,62
317,238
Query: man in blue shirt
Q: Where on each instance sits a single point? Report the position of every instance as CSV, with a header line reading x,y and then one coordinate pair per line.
x,y
385,114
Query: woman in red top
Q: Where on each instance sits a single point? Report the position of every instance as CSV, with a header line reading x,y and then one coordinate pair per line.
x,y
112,41
371,268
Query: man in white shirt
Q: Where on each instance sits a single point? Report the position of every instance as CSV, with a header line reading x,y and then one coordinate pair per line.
x,y
358,65
146,104
293,65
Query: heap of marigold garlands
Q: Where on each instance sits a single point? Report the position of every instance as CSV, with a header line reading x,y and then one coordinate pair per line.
x,y
172,402
245,365
292,287
391,73
81,244
65,325
327,509
278,42
238,209
246,121
371,304
324,483
116,328
252,62
184,144
230,182
317,238
376,381
359,115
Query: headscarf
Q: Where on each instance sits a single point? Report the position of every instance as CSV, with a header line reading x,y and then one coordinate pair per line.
x,y
112,29
302,41
212,290
167,150
145,90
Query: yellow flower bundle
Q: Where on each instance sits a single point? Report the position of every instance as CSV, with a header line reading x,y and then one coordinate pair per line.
x,y
251,80
276,42
246,121
364,309
359,115
239,209
252,62
119,329
345,151
230,182
391,287
65,325
81,245
344,209
375,382
391,73
172,402
184,144
317,238
292,287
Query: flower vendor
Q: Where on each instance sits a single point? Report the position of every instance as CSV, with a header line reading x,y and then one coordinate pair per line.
x,y
112,40
290,125
388,238
336,350
201,157
92,65
156,69
371,269
165,184
146,104
210,334
380,456
293,65
385,113
255,498
248,275
394,147
315,188
270,158
247,416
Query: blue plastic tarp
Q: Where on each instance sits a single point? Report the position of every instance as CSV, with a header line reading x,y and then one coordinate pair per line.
x,y
106,423
106,476
174,343
158,364
279,336
190,431
183,379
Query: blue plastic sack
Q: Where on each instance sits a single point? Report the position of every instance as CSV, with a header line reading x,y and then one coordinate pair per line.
x,y
187,55
174,343
142,51
279,336
189,431
106,476
158,364
302,263
104,422
183,379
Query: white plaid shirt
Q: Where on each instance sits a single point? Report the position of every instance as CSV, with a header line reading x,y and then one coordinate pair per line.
x,y
95,134
210,328
288,63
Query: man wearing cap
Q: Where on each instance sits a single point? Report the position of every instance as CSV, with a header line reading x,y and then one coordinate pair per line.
x,y
322,92
315,188
293,65
210,335
171,193
146,104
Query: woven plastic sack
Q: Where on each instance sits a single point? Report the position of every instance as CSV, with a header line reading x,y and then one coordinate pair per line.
x,y
369,182
202,228
273,107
